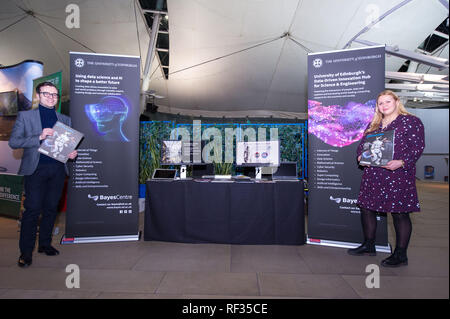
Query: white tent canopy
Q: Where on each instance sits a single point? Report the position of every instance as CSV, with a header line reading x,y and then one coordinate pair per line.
x,y
227,57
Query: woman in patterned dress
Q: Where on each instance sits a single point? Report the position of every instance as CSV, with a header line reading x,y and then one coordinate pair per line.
x,y
391,188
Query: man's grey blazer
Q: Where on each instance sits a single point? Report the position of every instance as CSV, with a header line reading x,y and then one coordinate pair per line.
x,y
25,134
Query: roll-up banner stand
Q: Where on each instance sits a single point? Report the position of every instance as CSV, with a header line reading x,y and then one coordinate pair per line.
x,y
342,90
103,192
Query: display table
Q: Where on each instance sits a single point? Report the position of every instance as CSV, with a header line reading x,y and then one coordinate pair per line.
x,y
190,211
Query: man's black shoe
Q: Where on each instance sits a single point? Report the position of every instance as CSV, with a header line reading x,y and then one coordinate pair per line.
x,y
24,261
48,250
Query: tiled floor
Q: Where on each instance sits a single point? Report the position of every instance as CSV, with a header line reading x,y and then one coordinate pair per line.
x,y
176,270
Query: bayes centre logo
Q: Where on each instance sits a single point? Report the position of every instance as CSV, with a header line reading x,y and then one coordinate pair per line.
x,y
317,63
79,63
93,197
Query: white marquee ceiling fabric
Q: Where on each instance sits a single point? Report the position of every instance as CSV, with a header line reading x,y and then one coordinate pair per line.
x,y
252,68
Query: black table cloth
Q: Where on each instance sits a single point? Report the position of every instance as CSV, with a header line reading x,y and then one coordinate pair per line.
x,y
192,211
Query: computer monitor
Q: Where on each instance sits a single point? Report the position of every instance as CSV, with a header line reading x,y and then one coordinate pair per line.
x,y
171,152
179,152
199,170
285,170
260,153
248,171
192,152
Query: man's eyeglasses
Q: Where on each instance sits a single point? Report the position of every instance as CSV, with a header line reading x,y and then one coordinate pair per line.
x,y
48,94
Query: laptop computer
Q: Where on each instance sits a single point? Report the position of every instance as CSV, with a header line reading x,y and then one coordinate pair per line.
x,y
164,174
287,171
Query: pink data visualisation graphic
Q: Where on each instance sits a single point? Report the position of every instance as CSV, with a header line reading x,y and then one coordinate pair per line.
x,y
338,125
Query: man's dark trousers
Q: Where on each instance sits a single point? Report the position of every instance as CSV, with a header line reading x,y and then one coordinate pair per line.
x,y
42,193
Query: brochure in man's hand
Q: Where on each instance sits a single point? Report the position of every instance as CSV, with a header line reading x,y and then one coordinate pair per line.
x,y
63,141
378,149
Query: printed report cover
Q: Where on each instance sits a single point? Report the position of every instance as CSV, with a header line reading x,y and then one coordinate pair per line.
x,y
378,149
63,141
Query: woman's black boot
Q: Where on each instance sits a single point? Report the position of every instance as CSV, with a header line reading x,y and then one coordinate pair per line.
x,y
397,259
367,248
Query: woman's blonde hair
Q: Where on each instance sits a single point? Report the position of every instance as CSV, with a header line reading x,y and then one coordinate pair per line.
x,y
378,117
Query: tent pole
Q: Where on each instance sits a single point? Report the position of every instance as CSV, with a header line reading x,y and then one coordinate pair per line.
x,y
150,53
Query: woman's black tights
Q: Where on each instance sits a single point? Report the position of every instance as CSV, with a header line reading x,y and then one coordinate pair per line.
x,y
403,229
402,226
369,224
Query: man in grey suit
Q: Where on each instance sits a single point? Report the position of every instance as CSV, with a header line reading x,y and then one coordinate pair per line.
x,y
43,176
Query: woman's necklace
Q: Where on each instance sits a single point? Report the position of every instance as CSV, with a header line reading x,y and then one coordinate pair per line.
x,y
386,122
